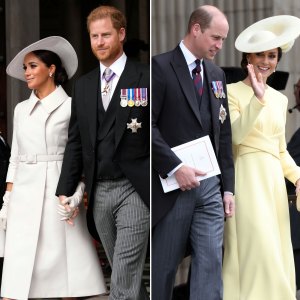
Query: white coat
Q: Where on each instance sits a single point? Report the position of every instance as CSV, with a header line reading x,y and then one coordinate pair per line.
x,y
44,256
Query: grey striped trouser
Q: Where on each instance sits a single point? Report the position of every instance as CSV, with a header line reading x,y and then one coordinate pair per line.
x,y
197,218
122,221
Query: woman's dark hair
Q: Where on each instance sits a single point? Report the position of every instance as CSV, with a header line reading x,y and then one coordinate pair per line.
x,y
50,58
244,61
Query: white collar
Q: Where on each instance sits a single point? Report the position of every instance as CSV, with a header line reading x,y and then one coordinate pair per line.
x,y
117,66
188,55
50,103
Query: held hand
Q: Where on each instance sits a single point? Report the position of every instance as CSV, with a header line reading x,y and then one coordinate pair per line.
x,y
186,177
68,213
257,83
3,211
68,208
297,191
229,205
297,187
64,210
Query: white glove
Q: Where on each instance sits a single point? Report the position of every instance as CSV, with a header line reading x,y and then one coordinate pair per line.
x,y
3,211
72,202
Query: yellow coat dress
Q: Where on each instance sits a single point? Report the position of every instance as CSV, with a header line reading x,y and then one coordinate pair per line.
x,y
258,255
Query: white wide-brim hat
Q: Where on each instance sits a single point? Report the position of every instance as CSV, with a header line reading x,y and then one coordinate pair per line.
x,y
56,44
270,33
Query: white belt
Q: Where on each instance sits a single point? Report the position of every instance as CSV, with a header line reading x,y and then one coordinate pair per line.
x,y
34,158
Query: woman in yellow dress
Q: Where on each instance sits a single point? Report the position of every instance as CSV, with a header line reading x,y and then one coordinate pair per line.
x,y
258,254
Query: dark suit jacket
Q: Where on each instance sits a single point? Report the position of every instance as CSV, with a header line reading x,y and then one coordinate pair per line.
x,y
132,150
176,120
294,149
4,162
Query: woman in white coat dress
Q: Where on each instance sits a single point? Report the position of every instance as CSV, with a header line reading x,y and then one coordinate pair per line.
x,y
44,256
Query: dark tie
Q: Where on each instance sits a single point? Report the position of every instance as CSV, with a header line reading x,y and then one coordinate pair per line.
x,y
197,77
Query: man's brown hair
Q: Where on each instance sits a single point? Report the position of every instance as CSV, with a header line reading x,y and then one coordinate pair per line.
x,y
203,16
117,17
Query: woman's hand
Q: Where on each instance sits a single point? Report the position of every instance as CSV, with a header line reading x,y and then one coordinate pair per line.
x,y
66,212
257,83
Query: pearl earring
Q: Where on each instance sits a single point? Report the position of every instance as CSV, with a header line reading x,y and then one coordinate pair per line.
x,y
50,74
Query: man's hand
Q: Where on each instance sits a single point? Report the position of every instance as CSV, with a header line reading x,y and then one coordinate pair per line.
x,y
297,190
186,177
65,211
229,205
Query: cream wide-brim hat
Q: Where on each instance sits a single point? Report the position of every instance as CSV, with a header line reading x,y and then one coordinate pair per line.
x,y
56,44
270,33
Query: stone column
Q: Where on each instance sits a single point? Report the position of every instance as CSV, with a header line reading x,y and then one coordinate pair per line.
x,y
22,28
289,63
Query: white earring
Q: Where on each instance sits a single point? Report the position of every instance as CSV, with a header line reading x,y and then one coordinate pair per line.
x,y
50,74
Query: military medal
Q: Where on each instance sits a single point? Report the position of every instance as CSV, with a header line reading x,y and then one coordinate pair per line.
x,y
144,101
123,101
130,101
215,89
220,89
137,101
134,125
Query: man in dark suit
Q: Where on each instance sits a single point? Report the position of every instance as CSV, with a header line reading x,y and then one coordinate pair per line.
x,y
293,147
181,113
109,142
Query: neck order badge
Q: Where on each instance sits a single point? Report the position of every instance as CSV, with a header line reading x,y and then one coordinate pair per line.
x,y
108,75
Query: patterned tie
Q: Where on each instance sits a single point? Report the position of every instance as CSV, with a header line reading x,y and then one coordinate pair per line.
x,y
197,77
108,75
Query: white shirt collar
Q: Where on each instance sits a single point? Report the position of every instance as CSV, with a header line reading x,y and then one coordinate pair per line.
x,y
189,56
117,66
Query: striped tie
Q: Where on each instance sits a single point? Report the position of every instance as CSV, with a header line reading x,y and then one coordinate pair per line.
x,y
108,76
197,77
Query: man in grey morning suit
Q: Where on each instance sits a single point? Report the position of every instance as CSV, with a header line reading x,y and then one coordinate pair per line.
x,y
109,142
180,113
